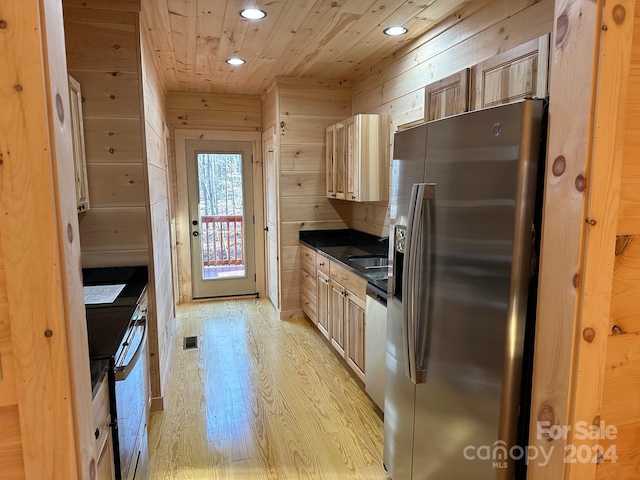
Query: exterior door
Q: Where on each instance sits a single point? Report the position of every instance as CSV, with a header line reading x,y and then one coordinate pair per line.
x,y
220,182
271,238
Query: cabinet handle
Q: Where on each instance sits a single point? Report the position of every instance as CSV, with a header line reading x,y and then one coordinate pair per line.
x,y
306,275
353,197
321,264
306,303
333,195
97,433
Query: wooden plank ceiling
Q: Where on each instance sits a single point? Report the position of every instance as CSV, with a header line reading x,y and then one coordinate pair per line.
x,y
331,39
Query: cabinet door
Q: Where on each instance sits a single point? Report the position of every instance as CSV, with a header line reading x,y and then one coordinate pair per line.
x,y
336,316
322,304
105,461
330,161
352,158
513,75
446,97
355,321
79,156
340,161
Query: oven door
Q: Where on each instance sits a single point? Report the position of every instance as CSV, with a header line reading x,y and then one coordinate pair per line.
x,y
131,394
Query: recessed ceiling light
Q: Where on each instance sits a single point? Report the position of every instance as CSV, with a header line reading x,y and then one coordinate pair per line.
x,y
235,61
252,13
395,31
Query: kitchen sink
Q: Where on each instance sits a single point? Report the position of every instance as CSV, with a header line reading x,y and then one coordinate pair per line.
x,y
369,262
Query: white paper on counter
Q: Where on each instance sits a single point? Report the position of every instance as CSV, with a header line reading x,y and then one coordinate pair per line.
x,y
97,294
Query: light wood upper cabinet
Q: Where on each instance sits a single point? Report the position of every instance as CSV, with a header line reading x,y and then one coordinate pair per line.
x,y
513,75
79,156
448,96
335,158
358,158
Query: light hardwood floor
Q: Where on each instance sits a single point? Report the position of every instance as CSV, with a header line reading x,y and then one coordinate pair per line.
x,y
260,398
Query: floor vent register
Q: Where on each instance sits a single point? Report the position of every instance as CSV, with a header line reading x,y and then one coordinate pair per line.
x,y
189,343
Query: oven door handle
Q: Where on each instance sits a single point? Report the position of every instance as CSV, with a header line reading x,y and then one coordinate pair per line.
x,y
122,372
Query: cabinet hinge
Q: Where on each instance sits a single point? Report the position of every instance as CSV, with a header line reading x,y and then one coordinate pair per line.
x,y
254,219
251,158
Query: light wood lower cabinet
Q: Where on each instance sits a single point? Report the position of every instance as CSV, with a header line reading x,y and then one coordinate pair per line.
x,y
339,306
354,310
322,303
337,302
104,442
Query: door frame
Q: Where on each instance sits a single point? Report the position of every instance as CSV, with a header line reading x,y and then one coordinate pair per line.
x,y
182,215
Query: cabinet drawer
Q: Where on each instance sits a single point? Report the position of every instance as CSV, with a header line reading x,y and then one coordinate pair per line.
x,y
350,281
308,255
322,263
101,414
308,276
308,303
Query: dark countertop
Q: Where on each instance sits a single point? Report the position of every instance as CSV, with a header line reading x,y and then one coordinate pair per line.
x,y
339,244
107,323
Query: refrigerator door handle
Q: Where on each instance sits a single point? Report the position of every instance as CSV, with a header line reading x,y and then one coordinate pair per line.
x,y
408,288
412,288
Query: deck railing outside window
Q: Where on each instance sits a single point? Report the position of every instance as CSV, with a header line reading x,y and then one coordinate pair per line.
x,y
222,240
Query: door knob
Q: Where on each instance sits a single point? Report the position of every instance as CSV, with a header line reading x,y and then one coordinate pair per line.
x,y
195,234
195,222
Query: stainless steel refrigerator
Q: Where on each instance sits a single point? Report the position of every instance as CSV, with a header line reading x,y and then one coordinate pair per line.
x,y
462,209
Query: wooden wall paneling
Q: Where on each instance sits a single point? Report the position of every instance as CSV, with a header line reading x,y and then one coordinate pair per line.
x,y
97,44
115,258
290,258
215,111
303,183
518,73
8,395
113,140
627,448
160,315
108,94
577,256
290,231
448,96
298,209
305,108
629,215
268,105
117,184
621,393
300,99
11,455
625,294
371,218
112,229
39,233
157,185
302,158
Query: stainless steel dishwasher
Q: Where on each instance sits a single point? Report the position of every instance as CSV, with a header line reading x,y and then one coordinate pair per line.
x,y
375,345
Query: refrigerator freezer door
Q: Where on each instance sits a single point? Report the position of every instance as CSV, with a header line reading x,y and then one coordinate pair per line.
x,y
476,162
408,168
